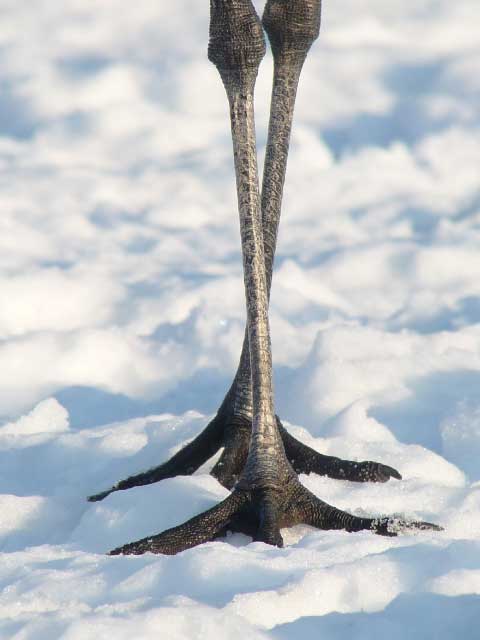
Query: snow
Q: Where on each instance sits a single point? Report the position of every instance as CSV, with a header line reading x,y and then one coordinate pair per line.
x,y
122,317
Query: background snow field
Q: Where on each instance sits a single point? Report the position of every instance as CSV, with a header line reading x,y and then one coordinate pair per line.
x,y
122,315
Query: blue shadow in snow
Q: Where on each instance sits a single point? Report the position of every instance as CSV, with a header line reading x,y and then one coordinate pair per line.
x,y
416,616
417,419
91,407
466,312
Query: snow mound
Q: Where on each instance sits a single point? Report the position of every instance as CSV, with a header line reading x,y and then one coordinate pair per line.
x,y
122,308
58,582
47,416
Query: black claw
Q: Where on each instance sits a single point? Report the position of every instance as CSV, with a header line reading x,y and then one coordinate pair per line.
x,y
428,526
391,526
377,472
274,539
126,549
269,508
390,472
100,496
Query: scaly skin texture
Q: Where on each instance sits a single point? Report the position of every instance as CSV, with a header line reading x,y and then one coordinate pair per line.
x,y
265,443
292,27
268,495
261,514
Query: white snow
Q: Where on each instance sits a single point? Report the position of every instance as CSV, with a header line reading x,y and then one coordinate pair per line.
x,y
122,317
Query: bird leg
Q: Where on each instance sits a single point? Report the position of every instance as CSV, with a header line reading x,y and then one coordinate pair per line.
x,y
292,27
268,495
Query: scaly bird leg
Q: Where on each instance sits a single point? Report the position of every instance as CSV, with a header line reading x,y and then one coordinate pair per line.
x,y
268,495
292,27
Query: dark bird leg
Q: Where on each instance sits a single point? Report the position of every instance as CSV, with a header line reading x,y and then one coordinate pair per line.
x,y
268,495
292,27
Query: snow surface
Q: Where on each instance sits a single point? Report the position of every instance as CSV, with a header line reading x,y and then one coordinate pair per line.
x,y
122,315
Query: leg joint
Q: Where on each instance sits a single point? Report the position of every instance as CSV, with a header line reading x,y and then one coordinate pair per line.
x,y
236,41
292,25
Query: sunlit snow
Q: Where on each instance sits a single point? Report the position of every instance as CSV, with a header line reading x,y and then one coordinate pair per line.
x,y
122,317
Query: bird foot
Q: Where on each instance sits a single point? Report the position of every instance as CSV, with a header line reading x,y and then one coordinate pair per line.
x,y
261,513
304,459
233,434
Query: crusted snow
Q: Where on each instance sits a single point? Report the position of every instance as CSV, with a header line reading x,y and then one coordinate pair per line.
x,y
122,316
